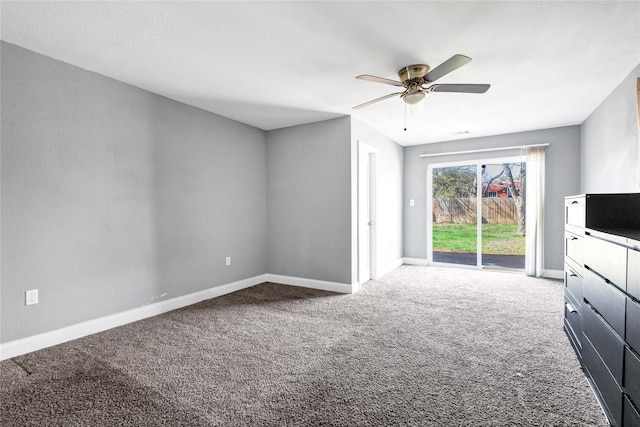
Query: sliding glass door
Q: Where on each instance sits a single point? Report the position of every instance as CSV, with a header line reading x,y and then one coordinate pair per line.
x,y
454,214
476,213
503,219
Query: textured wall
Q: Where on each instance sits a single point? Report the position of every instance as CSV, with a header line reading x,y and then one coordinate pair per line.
x,y
309,199
610,142
114,198
562,179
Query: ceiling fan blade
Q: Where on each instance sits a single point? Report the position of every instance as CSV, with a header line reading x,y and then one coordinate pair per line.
x,y
462,88
453,63
382,98
380,80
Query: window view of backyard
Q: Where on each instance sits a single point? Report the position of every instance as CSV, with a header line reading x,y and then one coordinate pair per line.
x,y
455,214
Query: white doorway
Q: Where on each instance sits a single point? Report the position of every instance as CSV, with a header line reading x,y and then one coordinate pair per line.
x,y
367,163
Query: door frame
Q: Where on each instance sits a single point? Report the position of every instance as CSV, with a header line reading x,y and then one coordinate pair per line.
x,y
429,205
367,195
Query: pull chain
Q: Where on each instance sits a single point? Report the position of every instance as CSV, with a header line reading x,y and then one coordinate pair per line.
x,y
405,116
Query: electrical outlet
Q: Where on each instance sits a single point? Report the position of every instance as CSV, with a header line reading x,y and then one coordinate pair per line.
x,y
228,261
31,297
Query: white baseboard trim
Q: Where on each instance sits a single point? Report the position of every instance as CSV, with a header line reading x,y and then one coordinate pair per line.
x,y
415,261
79,330
343,288
553,274
390,267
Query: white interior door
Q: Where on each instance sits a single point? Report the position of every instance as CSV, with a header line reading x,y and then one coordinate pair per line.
x,y
366,212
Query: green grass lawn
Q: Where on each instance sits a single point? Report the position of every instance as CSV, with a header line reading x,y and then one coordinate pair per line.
x,y
461,237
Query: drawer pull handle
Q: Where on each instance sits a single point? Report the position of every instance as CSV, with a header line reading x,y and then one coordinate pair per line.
x,y
575,202
574,238
571,308
572,274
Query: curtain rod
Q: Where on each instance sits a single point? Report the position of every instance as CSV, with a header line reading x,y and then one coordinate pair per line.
x,y
484,150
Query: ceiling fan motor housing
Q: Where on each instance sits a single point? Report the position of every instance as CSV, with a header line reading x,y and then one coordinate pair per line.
x,y
417,71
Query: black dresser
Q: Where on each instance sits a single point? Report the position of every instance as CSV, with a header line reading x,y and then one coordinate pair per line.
x,y
602,298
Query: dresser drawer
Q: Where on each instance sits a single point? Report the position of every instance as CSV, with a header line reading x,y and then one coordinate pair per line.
x,y
605,341
606,299
575,211
609,394
633,325
632,375
573,248
633,273
573,284
574,320
607,259
631,415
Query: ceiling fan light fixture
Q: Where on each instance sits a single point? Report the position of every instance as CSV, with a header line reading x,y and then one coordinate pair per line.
x,y
417,109
414,97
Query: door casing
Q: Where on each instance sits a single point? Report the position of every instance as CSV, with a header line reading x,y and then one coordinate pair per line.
x,y
367,180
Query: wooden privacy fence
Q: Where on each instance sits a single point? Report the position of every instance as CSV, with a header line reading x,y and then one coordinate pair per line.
x,y
495,210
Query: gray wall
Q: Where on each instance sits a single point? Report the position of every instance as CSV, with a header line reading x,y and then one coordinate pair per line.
x,y
113,197
562,179
390,158
310,201
610,142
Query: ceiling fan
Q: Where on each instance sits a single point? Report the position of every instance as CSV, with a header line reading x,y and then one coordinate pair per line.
x,y
414,78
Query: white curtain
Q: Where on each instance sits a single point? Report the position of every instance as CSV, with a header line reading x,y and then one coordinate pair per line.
x,y
534,211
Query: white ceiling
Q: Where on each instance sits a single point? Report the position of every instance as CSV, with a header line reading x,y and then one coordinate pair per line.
x,y
279,64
